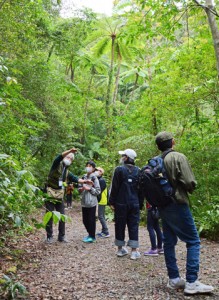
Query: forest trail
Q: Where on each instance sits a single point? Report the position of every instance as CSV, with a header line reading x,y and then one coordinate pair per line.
x,y
92,271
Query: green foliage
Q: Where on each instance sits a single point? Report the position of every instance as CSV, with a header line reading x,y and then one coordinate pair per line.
x,y
12,289
56,217
17,196
102,85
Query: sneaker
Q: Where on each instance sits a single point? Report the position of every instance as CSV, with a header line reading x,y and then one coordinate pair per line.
x,y
151,253
122,252
197,288
160,250
89,239
176,283
85,238
63,241
103,235
135,255
49,240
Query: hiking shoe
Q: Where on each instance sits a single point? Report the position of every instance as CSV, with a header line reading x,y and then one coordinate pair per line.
x,y
160,250
89,239
49,240
63,241
151,253
85,238
103,235
197,288
135,255
177,283
122,252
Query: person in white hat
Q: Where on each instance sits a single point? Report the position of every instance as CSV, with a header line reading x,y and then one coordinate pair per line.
x,y
126,203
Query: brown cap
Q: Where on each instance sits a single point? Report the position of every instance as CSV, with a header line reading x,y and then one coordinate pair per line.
x,y
163,136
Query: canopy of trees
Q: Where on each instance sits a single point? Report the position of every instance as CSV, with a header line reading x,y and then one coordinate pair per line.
x,y
103,84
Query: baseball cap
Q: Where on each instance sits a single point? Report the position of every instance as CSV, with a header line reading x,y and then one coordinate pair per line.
x,y
129,152
163,136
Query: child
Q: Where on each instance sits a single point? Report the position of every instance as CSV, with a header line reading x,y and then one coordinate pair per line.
x,y
155,233
69,191
102,202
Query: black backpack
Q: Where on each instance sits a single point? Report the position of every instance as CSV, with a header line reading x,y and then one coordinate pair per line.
x,y
154,183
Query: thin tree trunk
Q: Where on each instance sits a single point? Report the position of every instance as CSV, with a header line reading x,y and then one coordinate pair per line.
x,y
209,8
117,83
50,52
214,29
108,95
83,138
72,72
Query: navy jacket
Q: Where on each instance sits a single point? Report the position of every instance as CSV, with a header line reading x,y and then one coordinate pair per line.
x,y
124,188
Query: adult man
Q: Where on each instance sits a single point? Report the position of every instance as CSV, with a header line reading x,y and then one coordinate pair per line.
x,y
125,201
55,188
177,219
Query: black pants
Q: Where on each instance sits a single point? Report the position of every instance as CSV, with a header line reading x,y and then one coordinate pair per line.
x,y
58,206
89,220
69,200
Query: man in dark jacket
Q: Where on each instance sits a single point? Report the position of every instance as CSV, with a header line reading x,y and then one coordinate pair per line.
x,y
55,188
177,219
126,203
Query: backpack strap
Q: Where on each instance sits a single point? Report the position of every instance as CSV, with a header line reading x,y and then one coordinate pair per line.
x,y
164,154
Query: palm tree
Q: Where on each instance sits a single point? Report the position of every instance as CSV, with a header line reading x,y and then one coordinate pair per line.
x,y
107,39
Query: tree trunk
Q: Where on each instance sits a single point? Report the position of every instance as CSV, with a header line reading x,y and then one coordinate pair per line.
x,y
116,83
209,9
83,138
108,95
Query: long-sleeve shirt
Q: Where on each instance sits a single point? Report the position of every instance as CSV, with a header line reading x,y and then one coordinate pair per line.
x,y
59,170
180,175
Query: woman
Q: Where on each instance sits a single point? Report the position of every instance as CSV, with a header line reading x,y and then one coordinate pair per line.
x,y
89,201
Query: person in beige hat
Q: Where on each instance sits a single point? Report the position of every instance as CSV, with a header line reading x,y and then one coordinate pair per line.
x,y
177,220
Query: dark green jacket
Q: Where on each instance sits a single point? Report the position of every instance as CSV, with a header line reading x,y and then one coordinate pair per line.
x,y
180,175
59,170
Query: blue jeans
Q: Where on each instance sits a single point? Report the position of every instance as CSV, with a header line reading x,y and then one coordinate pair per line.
x,y
127,215
178,222
154,227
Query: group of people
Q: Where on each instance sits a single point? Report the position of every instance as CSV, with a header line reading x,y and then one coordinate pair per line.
x,y
92,188
127,200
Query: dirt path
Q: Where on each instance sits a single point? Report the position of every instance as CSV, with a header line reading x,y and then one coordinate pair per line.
x,y
92,271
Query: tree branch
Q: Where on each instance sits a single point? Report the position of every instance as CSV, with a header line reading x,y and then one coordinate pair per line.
x,y
1,5
213,11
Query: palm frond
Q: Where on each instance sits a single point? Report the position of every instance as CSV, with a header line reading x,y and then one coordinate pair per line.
x,y
101,46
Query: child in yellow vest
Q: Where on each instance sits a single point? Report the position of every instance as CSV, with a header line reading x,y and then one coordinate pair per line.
x,y
102,202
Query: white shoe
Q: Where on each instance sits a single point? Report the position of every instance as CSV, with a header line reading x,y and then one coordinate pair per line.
x,y
197,288
135,255
122,252
176,283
